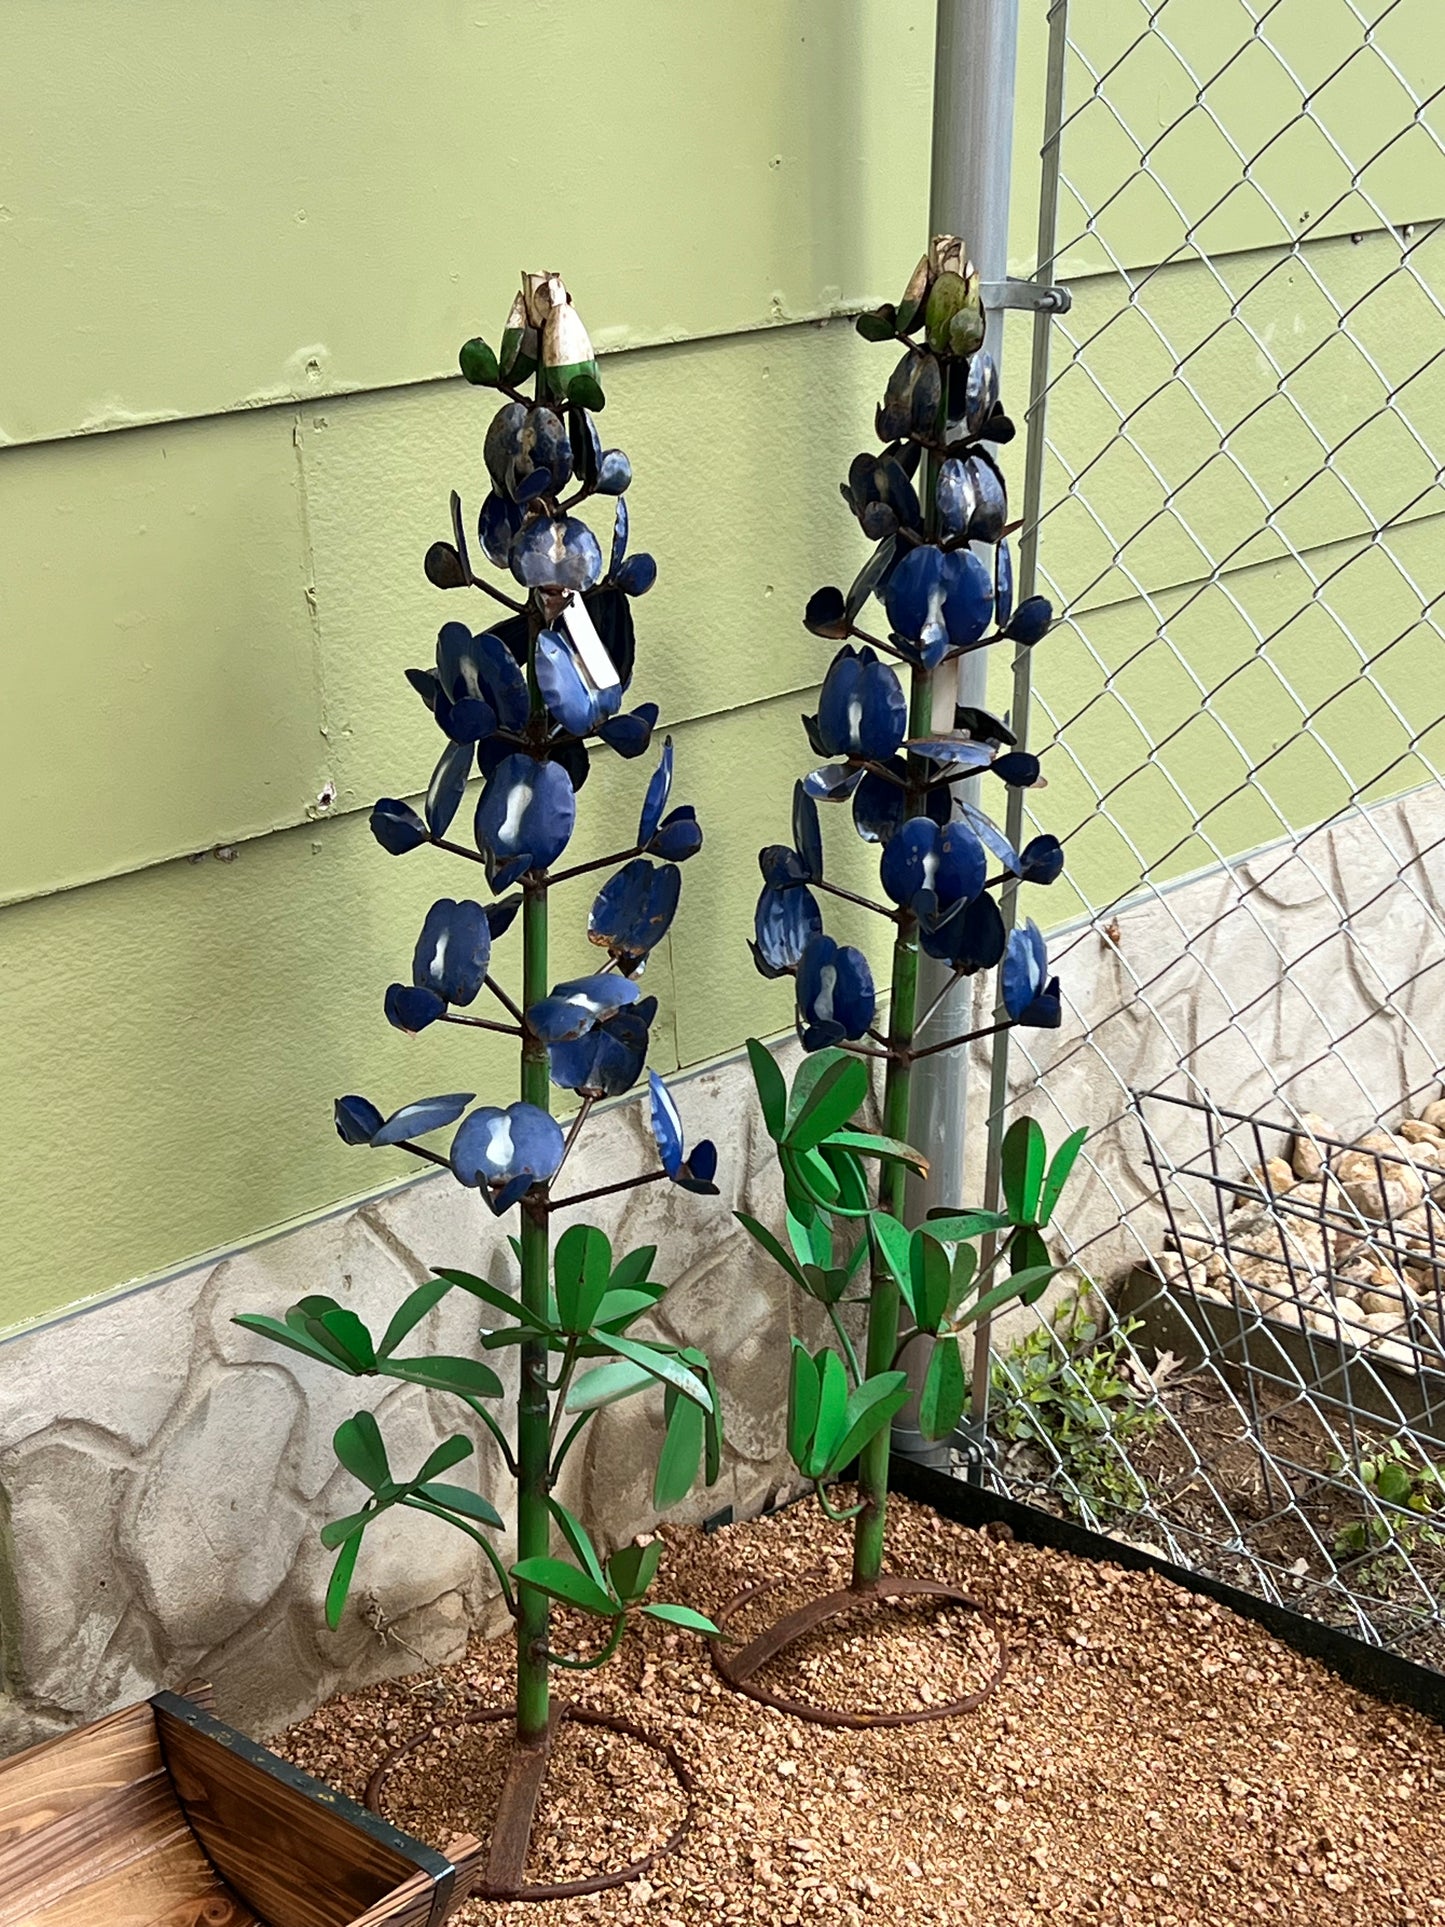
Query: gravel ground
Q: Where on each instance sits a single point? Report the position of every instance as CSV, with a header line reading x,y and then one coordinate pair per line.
x,y
1149,1759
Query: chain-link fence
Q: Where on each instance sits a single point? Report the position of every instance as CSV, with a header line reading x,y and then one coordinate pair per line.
x,y
1234,501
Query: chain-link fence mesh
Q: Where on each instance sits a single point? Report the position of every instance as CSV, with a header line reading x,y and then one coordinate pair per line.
x,y
1242,714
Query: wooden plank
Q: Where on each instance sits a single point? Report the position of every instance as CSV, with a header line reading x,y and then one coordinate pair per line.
x,y
300,1854
46,1782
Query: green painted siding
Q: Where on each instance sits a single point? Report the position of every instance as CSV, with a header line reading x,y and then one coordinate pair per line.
x,y
238,249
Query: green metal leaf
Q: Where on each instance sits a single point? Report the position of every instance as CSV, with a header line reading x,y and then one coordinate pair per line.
x,y
681,1454
803,1394
338,1329
963,1274
499,1300
412,1309
812,1171
954,1226
632,1569
893,1244
662,1365
812,1243
340,1582
449,1453
633,1270
1027,1250
806,1078
457,1498
605,1385
683,1616
582,1265
561,1581
929,1276
835,1096
478,363
854,1198
940,1403
358,1444
869,1144
444,1374
620,1308
872,1405
773,1246
832,1407
579,1543
772,1089
1022,1169
294,1340
1024,1287
1063,1163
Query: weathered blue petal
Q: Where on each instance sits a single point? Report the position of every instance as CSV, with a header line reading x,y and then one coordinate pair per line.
x,y
411,1008
498,521
931,867
620,520
631,732
453,951
990,511
443,567
396,826
992,839
785,922
545,451
556,552
834,782
939,601
1025,968
573,1008
981,392
699,1169
879,806
1003,584
427,1114
826,613
1030,620
971,938
586,446
449,781
637,574
501,679
500,916
526,809
954,496
807,832
357,1120
835,993
614,474
666,1124
659,788
781,866
953,751
679,835
633,911
913,398
1018,769
425,683
569,699
983,727
1041,860
503,443
505,1152
608,1059
862,711
872,578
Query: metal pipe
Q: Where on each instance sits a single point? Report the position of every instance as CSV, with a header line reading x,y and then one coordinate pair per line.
x,y
975,51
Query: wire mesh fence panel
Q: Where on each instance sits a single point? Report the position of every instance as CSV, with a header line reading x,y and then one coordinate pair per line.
x,y
1241,714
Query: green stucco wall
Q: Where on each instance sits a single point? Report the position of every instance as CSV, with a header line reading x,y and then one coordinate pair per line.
x,y
238,249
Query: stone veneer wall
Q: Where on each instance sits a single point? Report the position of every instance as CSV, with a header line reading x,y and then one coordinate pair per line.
x,y
163,1473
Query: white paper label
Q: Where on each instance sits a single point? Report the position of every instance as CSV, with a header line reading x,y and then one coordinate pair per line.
x,y
587,645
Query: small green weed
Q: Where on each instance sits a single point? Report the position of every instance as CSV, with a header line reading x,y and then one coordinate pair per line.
x,y
1068,1388
1416,1495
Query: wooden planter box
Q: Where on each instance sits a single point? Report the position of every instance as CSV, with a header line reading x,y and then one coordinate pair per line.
x,y
161,1816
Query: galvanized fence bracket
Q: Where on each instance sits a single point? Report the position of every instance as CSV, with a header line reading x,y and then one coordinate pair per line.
x,y
1033,297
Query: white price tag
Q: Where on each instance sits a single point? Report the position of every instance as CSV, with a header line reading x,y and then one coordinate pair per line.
x,y
592,657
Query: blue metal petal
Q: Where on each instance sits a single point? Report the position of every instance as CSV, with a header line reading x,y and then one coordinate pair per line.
x,y
784,924
614,475
990,511
427,1114
679,835
498,521
396,826
781,866
544,449
573,1008
1025,968
873,577
807,832
862,711
879,806
608,1059
659,788
556,552
909,860
500,916
1030,620
637,574
503,443
633,911
505,1152
953,751
586,446
357,1120
981,392
992,839
1042,860
1003,583
666,1124
971,939
453,951
618,554
954,496
826,613
699,1170
835,993
834,782
631,732
569,699
527,809
412,1008
1018,769
449,781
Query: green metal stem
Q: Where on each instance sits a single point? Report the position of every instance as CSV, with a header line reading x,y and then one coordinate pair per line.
x,y
884,1299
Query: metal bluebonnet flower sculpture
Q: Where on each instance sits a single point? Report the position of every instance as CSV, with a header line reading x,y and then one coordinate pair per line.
x,y
523,704
934,504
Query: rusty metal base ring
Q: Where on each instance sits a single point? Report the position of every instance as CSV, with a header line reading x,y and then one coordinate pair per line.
x,y
487,1888
739,1667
